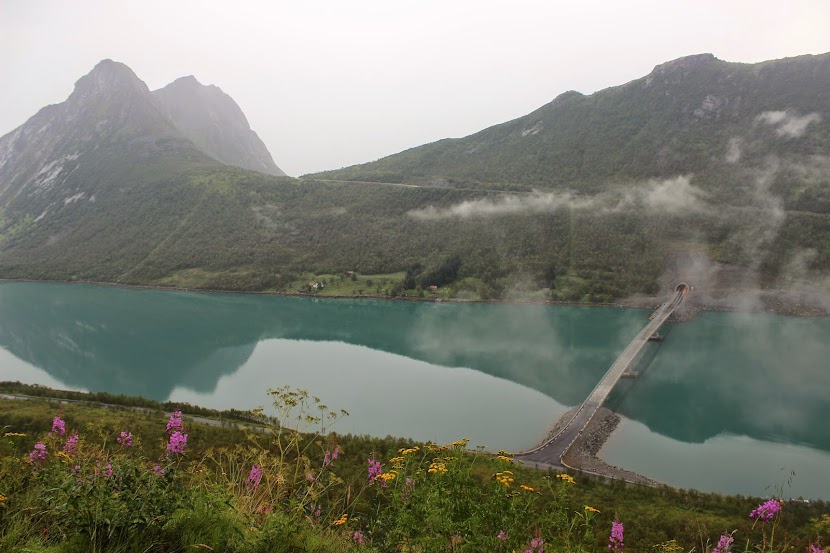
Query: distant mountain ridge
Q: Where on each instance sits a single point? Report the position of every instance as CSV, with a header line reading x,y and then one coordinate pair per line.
x,y
215,123
680,118
112,108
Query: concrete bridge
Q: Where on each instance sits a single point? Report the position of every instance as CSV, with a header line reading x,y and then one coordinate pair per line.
x,y
554,448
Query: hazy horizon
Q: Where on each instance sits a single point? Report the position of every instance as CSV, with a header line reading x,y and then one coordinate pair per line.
x,y
332,85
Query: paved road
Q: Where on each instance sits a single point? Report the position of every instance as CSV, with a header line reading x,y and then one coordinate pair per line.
x,y
550,453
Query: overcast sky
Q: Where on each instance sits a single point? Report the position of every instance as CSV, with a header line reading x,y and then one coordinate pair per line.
x,y
333,83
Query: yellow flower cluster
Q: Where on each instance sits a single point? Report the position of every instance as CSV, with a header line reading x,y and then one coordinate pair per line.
x,y
2,498
407,451
590,509
395,460
342,520
505,478
388,476
13,435
526,488
437,467
566,478
435,448
460,443
505,458
63,455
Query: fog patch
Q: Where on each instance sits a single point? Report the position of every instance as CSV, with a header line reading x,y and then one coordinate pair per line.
x,y
733,150
788,125
673,196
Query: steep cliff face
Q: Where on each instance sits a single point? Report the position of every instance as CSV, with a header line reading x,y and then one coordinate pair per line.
x,y
215,123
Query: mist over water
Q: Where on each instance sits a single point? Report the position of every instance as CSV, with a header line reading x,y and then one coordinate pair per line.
x,y
498,374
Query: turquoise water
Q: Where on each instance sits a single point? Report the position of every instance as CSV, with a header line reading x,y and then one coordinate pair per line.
x,y
721,394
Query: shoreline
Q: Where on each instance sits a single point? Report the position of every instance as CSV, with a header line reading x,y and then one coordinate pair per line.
x,y
687,312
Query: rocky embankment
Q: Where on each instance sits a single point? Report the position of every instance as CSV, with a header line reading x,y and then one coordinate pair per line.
x,y
583,454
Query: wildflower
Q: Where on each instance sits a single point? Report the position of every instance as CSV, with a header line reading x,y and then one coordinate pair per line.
x,y
71,444
331,456
158,471
502,536
174,422
460,443
255,476
437,467
2,498
590,509
375,469
766,511
505,478
565,478
724,544
126,439
504,458
537,544
615,541
396,460
38,453
815,549
108,471
407,451
58,426
342,520
64,456
309,477
359,537
526,488
388,476
177,442
408,488
76,468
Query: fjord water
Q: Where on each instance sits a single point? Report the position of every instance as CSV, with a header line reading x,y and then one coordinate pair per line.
x,y
724,403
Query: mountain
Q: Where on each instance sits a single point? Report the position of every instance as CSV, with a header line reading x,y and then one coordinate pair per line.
x,y
684,117
215,123
703,170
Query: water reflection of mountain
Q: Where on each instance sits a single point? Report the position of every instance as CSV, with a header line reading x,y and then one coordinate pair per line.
x,y
148,342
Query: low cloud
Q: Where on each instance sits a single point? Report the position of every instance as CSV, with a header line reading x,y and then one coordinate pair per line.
x,y
733,151
672,196
788,125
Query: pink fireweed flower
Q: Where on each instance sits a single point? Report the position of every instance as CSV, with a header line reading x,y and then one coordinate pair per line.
x,y
724,544
359,537
158,471
615,541
309,477
58,426
174,422
71,444
38,453
815,549
126,439
108,471
537,544
255,476
502,536
177,442
766,511
375,469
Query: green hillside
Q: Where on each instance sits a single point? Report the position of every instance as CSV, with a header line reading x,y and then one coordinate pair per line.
x,y
703,169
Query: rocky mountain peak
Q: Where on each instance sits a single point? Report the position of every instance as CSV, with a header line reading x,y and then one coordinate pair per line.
x,y
215,123
108,78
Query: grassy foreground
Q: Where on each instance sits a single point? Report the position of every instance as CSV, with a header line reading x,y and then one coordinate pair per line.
x,y
80,477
